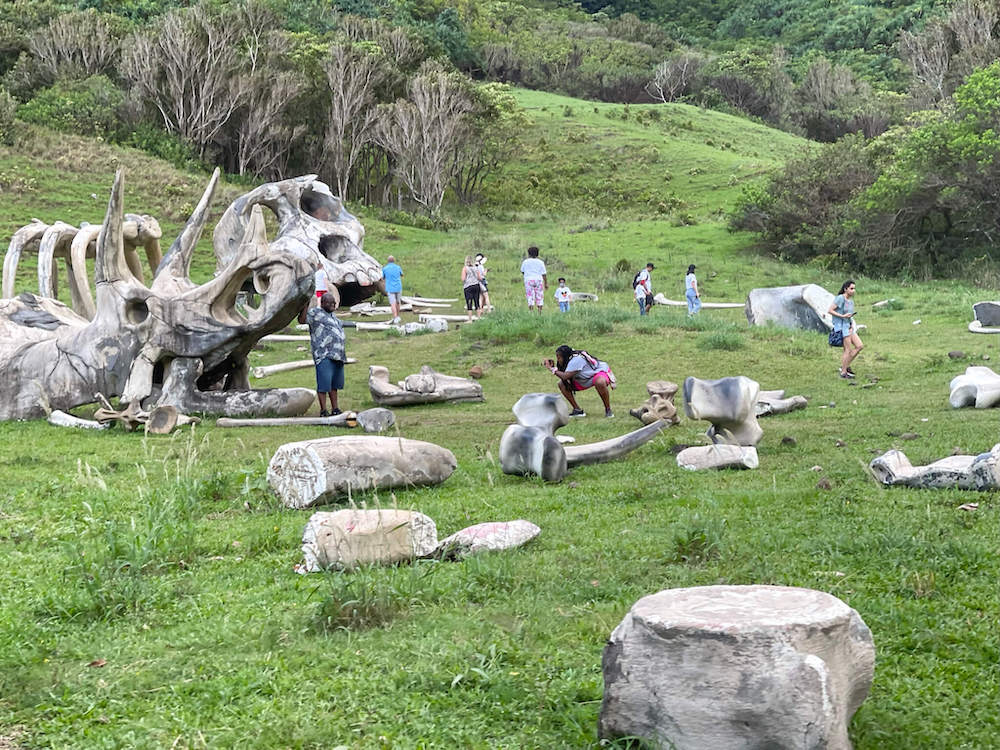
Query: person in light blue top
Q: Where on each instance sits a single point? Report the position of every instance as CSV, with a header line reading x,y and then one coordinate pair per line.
x,y
842,312
393,276
691,291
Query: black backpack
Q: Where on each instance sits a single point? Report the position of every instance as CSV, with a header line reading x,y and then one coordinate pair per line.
x,y
635,279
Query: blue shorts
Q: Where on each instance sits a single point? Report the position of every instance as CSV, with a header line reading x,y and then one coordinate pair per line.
x,y
329,376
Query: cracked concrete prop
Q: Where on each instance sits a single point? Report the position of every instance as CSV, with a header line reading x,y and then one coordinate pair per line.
x,y
492,536
659,405
730,404
719,456
347,538
426,387
172,343
805,306
313,472
770,403
980,472
736,667
978,387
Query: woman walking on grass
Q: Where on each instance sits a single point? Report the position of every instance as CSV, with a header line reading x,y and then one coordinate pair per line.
x,y
691,291
578,371
471,279
845,331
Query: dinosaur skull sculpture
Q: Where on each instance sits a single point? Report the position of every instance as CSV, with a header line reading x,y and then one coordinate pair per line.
x,y
168,343
312,224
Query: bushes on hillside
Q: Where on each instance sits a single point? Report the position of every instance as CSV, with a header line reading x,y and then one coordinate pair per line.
x,y
87,107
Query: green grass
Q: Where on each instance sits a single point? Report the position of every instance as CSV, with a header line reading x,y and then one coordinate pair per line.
x,y
167,560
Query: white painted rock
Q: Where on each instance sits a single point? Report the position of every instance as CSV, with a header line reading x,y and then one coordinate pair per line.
x,y
737,667
376,419
806,306
351,537
312,472
718,456
493,536
979,387
980,472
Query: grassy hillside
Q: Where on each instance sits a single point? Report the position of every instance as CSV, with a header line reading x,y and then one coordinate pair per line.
x,y
149,595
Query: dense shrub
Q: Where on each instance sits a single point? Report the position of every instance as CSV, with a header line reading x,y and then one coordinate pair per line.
x,y
87,107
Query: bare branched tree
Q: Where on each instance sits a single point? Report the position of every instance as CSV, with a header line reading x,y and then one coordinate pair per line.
x,y
75,45
264,136
189,68
423,132
826,85
673,78
928,55
354,76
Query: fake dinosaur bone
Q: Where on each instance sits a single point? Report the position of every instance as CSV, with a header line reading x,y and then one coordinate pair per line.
x,y
531,447
313,225
980,472
170,343
730,404
74,246
425,387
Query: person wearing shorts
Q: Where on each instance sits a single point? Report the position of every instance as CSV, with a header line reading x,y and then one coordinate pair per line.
x,y
578,371
326,339
535,279
393,276
471,280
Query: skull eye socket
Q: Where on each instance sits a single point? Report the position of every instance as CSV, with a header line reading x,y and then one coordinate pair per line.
x,y
136,311
261,283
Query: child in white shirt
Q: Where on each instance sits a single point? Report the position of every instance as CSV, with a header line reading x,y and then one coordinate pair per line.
x,y
563,296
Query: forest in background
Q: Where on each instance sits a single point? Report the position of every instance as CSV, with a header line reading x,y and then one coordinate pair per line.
x,y
405,105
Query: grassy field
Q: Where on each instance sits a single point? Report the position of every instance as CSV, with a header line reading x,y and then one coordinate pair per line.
x,y
148,593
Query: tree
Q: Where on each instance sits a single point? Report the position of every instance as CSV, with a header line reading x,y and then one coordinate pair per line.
x,y
76,45
673,78
422,133
188,67
354,74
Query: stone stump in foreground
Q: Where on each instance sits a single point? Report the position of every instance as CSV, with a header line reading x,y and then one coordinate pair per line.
x,y
717,667
312,472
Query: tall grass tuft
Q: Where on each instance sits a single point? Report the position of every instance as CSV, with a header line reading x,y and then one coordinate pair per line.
x,y
697,539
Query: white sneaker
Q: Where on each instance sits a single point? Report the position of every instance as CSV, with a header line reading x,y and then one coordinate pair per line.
x,y
396,320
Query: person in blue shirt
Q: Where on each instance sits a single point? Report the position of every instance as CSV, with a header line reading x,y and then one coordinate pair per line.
x,y
393,276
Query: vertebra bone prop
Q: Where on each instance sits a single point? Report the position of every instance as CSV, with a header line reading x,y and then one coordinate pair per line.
x,y
979,387
425,387
74,246
736,667
530,446
659,405
720,456
347,538
806,306
774,402
730,404
312,472
169,343
336,241
980,472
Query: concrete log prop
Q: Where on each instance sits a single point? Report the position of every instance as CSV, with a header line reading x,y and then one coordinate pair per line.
x,y
376,419
661,299
426,317
62,419
276,338
422,302
345,539
987,313
770,403
426,387
980,472
659,405
494,536
804,306
736,667
169,343
431,300
730,404
582,297
719,456
344,419
312,472
978,387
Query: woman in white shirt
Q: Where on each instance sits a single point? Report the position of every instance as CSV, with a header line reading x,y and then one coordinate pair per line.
x,y
471,277
691,291
535,279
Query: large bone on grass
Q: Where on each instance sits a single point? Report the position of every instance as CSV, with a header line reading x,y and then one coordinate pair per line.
x,y
423,302
301,364
660,299
345,419
23,237
609,450
62,419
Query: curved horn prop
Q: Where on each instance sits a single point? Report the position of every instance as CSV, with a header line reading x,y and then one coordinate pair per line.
x,y
22,237
175,268
110,266
609,450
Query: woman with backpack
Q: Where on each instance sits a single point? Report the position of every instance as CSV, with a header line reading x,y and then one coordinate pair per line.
x,y
845,331
578,371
